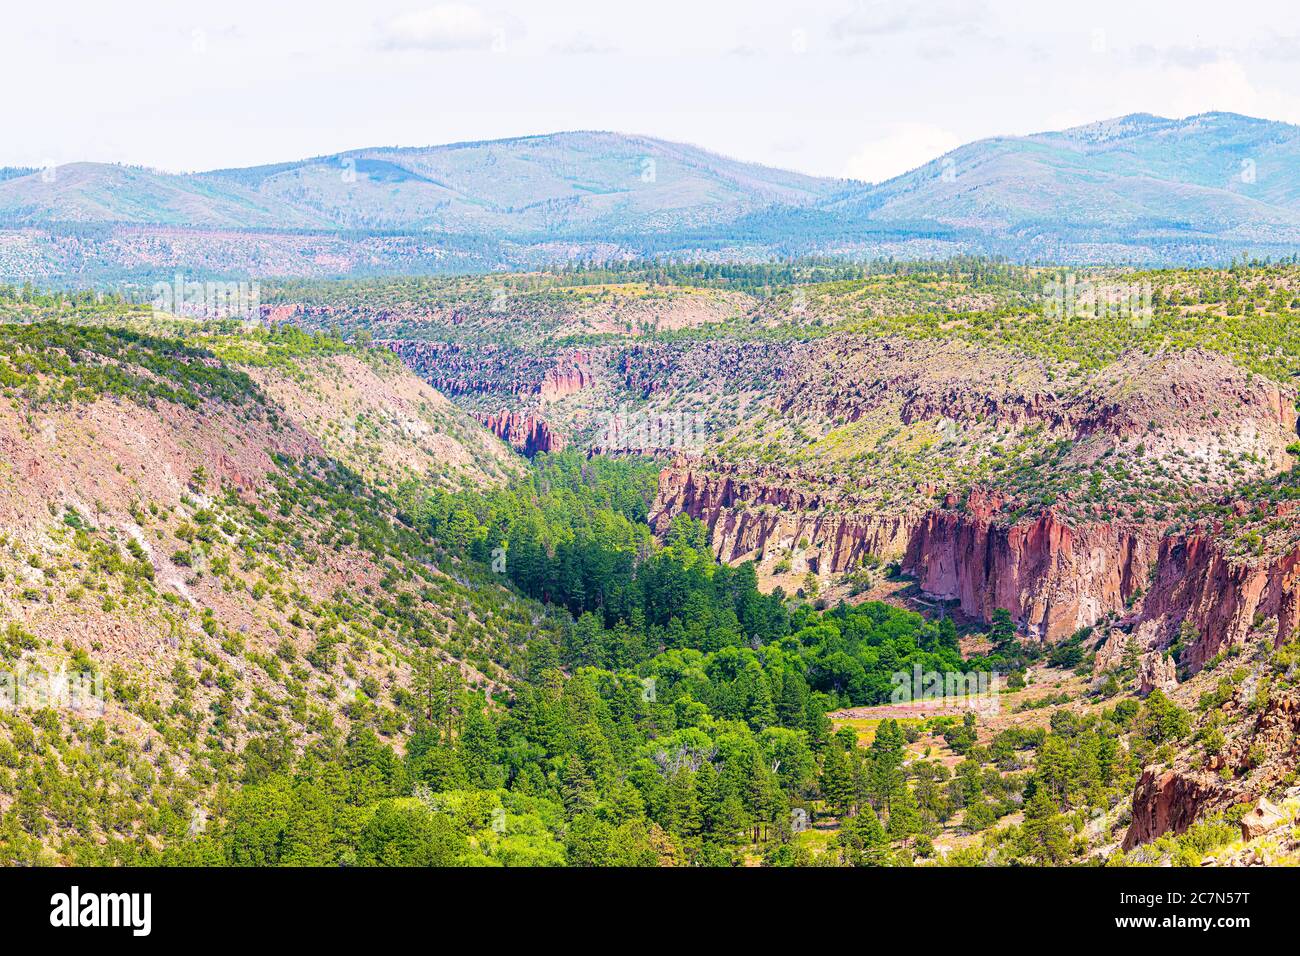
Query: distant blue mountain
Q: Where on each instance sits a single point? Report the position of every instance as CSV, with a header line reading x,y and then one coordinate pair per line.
x,y
1217,176
1139,188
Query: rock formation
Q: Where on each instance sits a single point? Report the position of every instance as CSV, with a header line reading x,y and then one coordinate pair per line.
x,y
1169,802
527,434
1053,576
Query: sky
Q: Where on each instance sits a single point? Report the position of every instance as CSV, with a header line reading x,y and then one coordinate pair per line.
x,y
864,89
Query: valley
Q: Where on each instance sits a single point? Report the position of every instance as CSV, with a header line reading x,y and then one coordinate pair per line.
x,y
582,568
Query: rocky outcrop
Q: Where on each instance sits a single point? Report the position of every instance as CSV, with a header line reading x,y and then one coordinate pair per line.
x,y
1169,802
1156,671
527,434
273,315
752,516
1261,818
457,369
1258,757
1054,576
566,379
1221,597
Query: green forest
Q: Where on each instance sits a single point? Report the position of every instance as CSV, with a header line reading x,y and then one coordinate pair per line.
x,y
678,719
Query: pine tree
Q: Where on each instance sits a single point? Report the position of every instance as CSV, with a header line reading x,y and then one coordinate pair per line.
x,y
837,785
1044,834
885,775
862,840
792,704
904,817
478,749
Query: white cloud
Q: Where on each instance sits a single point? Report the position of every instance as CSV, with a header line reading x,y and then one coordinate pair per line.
x,y
583,45
974,69
1183,57
878,18
447,26
904,147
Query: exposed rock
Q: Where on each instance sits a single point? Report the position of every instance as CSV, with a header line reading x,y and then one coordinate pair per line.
x,y
1221,597
527,434
1110,654
565,379
755,516
1156,672
1053,576
1260,819
1170,802
455,369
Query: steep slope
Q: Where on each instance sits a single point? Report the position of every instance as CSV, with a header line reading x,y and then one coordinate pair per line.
x,y
191,527
371,415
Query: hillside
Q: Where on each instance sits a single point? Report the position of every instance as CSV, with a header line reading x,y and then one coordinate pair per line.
x,y
1071,471
207,527
339,623
1140,189
1141,177
566,183
1117,489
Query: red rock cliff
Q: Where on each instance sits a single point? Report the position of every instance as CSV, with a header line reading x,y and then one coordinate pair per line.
x,y
1169,802
1054,577
525,433
1222,597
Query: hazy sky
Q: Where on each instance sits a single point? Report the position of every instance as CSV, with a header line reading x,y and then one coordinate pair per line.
x,y
863,89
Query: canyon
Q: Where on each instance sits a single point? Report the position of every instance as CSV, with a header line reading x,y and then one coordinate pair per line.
x,y
1126,488
1154,430
1053,576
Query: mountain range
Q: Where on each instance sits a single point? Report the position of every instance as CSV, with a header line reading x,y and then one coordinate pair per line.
x,y
1140,188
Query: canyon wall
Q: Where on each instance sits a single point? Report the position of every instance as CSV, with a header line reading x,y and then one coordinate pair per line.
x,y
527,434
1222,598
1054,577
749,517
457,369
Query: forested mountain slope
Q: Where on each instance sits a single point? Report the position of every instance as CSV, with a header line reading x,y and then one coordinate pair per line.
x,y
1137,189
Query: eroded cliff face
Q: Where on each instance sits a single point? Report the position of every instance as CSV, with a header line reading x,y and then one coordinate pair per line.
x,y
567,378
1222,597
527,434
457,370
1170,801
752,517
1053,576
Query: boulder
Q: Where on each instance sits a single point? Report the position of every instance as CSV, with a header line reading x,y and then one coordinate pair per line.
x,y
1260,819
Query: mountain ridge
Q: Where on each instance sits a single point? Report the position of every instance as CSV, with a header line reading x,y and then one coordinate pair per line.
x,y
1139,188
